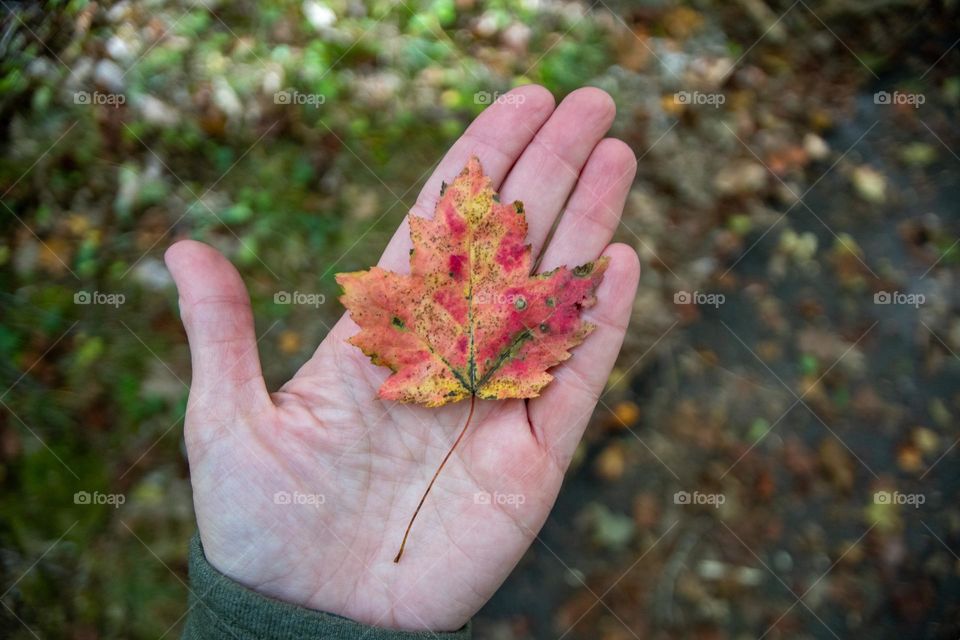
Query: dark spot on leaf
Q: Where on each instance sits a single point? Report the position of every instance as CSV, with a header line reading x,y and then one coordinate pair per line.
x,y
496,197
443,188
397,322
544,327
583,270
520,303
518,206
551,302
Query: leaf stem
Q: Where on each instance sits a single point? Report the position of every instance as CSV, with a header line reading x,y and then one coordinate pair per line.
x,y
473,402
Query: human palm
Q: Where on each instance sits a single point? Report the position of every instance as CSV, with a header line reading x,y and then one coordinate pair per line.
x,y
304,494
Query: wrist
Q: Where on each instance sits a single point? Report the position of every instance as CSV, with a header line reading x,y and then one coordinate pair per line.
x,y
222,607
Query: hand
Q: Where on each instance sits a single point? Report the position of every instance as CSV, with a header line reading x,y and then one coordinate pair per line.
x,y
365,462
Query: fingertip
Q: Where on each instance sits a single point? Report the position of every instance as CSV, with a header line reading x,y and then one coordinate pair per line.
x,y
596,101
183,254
624,261
536,98
616,158
192,250
179,249
201,271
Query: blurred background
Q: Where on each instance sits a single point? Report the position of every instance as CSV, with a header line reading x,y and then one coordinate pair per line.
x,y
776,453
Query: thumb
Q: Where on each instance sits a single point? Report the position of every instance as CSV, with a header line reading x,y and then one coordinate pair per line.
x,y
215,309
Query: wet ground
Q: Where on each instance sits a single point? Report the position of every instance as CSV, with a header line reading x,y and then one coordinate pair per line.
x,y
798,399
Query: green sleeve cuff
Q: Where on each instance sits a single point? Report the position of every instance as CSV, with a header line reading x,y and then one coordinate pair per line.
x,y
222,608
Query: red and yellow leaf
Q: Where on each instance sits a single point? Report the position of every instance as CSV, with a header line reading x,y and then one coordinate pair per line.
x,y
469,319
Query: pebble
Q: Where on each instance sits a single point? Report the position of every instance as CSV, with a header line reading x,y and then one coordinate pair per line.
x,y
815,146
319,15
740,177
870,184
108,74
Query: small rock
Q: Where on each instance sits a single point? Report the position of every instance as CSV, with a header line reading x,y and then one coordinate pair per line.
x,y
516,37
79,73
158,112
108,74
815,146
740,177
226,98
870,184
319,15
119,12
273,79
152,274
486,25
118,49
378,88
710,73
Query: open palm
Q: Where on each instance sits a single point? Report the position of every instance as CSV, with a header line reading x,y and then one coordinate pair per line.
x,y
304,494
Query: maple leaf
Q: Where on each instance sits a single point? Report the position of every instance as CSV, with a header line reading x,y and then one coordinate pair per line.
x,y
470,320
